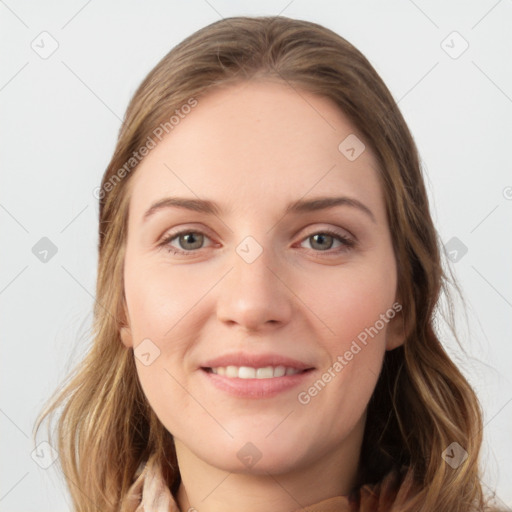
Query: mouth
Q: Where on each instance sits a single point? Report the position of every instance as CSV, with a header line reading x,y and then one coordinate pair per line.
x,y
250,378
248,372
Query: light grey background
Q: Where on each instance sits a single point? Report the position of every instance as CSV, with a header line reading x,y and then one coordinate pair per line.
x,y
60,118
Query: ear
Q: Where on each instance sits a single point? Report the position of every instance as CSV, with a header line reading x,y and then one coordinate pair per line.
x,y
126,336
125,333
396,331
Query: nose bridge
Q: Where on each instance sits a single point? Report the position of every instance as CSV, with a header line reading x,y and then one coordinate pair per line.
x,y
253,295
252,265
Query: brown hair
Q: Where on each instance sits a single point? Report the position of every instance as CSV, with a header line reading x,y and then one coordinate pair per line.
x,y
421,404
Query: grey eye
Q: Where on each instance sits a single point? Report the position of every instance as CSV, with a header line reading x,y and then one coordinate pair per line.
x,y
194,239
321,241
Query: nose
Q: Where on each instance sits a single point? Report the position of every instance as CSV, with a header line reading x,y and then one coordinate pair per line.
x,y
254,295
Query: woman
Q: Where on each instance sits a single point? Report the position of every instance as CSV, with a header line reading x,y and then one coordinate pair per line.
x,y
287,359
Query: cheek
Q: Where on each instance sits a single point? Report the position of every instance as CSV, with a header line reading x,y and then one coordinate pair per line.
x,y
164,318
357,311
158,299
160,320
350,303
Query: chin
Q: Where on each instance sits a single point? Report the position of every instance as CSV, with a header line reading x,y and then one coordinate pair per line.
x,y
262,463
255,455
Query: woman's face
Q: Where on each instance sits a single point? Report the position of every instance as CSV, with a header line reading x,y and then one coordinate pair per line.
x,y
270,276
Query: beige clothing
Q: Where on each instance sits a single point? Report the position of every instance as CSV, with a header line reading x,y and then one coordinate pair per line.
x,y
150,493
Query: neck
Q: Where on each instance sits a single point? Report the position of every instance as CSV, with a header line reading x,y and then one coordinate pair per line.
x,y
206,488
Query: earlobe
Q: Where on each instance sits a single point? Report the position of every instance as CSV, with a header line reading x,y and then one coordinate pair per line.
x,y
393,341
125,332
126,337
396,332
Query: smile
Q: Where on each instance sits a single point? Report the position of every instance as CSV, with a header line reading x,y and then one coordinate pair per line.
x,y
249,382
247,372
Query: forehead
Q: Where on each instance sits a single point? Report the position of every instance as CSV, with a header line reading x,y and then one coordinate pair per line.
x,y
258,143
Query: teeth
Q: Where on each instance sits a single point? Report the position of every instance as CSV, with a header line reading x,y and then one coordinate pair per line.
x,y
279,371
247,372
264,373
231,371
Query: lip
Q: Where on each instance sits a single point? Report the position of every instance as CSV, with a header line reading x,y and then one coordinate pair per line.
x,y
256,388
256,361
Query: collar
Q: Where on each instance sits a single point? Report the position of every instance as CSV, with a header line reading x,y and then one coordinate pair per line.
x,y
150,493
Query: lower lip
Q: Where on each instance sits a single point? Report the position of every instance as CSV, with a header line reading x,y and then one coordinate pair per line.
x,y
257,388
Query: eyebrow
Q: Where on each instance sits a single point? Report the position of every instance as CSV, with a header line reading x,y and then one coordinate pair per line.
x,y
299,206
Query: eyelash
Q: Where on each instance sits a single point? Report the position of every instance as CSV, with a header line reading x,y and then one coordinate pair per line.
x,y
347,243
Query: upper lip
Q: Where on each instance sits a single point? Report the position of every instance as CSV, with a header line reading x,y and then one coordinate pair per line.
x,y
255,361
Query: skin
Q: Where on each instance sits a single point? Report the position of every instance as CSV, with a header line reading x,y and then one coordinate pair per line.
x,y
252,148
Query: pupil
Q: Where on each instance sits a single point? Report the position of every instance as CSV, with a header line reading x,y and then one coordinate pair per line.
x,y
189,239
320,239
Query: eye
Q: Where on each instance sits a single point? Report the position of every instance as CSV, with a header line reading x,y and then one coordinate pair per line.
x,y
323,241
189,241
